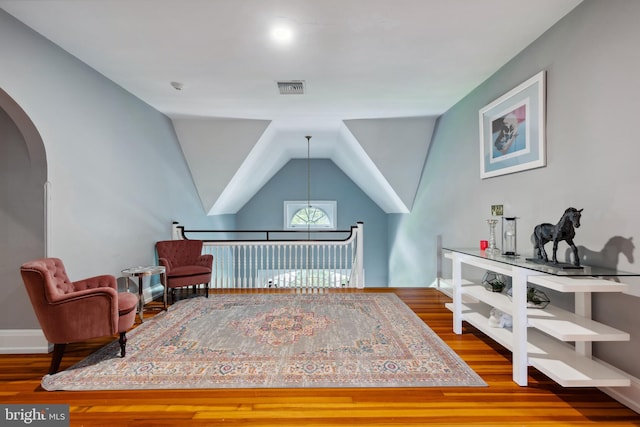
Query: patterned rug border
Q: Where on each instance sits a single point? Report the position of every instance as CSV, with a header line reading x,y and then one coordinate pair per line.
x,y
262,341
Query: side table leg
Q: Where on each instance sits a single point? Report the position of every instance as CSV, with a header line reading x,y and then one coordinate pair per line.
x,y
163,280
140,300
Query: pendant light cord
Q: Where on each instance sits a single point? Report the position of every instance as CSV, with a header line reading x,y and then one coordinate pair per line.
x,y
308,186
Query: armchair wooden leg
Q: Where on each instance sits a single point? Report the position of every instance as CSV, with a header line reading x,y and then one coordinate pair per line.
x,y
56,357
123,344
206,289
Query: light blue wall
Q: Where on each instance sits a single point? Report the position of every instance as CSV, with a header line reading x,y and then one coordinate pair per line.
x,y
592,62
118,176
328,182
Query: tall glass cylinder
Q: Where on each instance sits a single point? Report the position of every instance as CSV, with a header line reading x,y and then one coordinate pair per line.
x,y
509,236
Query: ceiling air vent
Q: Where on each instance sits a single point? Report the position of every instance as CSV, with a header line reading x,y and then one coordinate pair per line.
x,y
292,87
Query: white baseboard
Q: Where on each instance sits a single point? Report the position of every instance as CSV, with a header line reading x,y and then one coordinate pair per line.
x,y
442,287
628,396
148,293
18,341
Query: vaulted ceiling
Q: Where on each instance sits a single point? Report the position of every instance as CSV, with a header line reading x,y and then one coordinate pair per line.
x,y
377,74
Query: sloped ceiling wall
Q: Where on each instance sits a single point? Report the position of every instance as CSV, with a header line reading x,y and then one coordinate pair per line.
x,y
231,159
215,149
398,148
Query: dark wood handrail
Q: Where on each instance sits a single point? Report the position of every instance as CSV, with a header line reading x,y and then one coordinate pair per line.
x,y
268,233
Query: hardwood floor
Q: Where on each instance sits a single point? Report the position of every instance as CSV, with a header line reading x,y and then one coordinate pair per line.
x,y
502,403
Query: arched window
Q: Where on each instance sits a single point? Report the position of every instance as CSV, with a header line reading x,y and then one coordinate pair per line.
x,y
313,215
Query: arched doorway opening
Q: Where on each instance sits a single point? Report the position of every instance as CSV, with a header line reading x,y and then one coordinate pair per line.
x,y
23,174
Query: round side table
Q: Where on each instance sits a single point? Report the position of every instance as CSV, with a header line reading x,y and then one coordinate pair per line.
x,y
140,272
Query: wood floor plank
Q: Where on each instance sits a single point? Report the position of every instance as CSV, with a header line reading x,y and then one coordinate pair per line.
x,y
502,403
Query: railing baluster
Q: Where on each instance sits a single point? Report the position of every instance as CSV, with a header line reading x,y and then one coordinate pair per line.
x,y
262,278
250,267
279,263
325,280
316,270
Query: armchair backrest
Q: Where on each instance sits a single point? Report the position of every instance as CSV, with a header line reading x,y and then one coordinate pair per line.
x,y
88,313
180,252
49,279
46,281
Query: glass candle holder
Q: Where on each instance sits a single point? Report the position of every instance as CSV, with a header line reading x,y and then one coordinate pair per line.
x,y
492,249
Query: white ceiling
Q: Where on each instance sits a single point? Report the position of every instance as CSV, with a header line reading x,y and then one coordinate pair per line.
x,y
359,58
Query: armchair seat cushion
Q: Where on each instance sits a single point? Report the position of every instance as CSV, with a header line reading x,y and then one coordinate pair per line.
x,y
127,302
127,308
188,270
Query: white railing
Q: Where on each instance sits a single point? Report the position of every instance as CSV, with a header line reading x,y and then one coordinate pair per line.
x,y
316,259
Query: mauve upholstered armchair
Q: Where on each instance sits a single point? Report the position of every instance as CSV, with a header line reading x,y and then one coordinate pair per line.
x,y
76,311
185,265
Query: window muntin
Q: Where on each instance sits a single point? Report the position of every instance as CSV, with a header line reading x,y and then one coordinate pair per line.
x,y
314,215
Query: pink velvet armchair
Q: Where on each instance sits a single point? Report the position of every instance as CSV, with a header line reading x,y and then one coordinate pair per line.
x,y
185,265
76,311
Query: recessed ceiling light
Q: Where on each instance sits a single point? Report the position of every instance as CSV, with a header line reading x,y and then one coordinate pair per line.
x,y
282,34
177,85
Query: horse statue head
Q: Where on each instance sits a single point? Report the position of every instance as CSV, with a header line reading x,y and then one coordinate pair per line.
x,y
573,215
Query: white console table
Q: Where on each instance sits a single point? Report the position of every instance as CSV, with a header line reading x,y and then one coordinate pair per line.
x,y
539,337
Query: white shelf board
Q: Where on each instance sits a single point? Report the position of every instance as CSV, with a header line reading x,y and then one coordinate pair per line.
x,y
449,282
494,299
577,284
473,313
447,287
487,264
483,263
562,364
567,326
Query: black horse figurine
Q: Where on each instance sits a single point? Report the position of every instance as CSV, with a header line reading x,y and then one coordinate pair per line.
x,y
563,230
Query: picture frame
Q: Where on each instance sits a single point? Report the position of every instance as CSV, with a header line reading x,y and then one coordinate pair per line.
x,y
512,130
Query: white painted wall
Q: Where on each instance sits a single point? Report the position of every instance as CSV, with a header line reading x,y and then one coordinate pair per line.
x,y
593,63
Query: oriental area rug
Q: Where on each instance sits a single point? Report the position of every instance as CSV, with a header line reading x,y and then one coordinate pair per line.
x,y
275,341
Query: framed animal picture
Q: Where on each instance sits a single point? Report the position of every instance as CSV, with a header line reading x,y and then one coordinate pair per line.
x,y
512,130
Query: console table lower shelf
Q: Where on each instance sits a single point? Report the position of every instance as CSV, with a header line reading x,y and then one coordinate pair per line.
x,y
557,360
553,340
